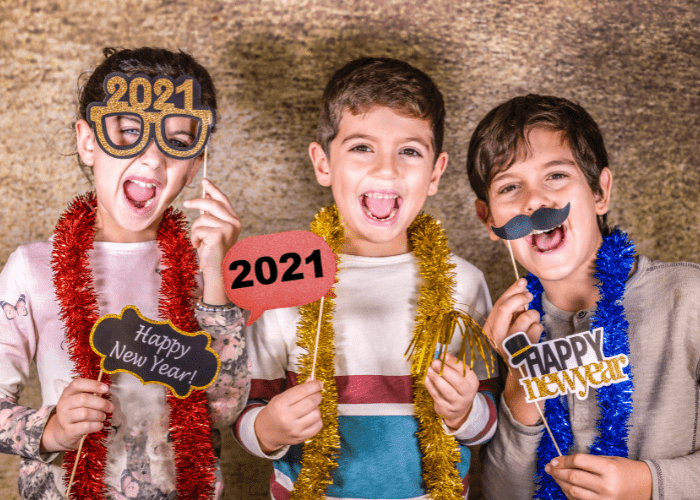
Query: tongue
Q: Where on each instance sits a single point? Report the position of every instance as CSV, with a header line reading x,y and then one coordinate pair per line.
x,y
380,207
138,193
548,241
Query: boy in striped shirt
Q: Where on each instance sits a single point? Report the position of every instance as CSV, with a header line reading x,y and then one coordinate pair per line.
x,y
379,148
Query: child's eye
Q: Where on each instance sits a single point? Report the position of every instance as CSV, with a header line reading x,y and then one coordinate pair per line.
x,y
559,175
178,143
507,188
410,152
362,148
126,135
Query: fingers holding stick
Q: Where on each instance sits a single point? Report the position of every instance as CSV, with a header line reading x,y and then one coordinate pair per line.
x,y
80,448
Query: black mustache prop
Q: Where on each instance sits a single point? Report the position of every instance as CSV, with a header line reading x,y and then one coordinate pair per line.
x,y
542,219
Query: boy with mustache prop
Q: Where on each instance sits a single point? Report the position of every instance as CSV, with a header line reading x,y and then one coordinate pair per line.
x,y
634,438
542,220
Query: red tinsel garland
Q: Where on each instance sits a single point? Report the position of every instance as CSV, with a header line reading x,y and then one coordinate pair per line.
x,y
190,426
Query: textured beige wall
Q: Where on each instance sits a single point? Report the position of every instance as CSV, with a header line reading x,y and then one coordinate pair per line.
x,y
634,64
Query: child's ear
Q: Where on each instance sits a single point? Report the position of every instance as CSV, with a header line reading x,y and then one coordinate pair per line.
x,y
438,170
86,141
484,214
603,200
321,164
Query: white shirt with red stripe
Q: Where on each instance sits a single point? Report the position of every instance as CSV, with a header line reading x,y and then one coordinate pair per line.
x,y
373,323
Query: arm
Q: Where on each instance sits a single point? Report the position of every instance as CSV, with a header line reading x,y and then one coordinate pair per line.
x,y
21,429
26,431
267,432
675,477
509,316
228,394
213,233
509,467
465,398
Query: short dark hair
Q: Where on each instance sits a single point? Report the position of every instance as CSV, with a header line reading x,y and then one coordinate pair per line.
x,y
500,140
375,81
150,61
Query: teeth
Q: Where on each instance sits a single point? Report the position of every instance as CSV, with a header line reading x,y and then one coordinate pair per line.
x,y
381,196
540,231
144,184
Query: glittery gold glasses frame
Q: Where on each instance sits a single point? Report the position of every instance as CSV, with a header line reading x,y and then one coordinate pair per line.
x,y
153,101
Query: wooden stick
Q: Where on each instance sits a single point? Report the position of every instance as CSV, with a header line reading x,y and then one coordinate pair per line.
x,y
204,172
318,335
522,373
515,268
77,455
544,420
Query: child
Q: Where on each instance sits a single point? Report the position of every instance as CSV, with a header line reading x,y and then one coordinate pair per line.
x,y
123,246
632,439
380,150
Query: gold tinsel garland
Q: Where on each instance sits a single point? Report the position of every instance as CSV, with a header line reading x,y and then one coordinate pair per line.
x,y
435,324
319,456
436,321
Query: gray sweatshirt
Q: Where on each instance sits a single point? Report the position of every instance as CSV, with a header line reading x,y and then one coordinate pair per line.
x,y
662,306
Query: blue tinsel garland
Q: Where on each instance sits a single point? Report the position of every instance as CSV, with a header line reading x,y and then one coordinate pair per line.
x,y
613,264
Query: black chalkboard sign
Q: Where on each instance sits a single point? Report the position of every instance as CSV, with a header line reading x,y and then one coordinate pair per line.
x,y
156,352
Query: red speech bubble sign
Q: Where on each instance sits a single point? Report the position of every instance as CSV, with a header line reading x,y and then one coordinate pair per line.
x,y
278,270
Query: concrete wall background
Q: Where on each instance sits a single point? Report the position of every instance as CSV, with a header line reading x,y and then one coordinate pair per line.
x,y
632,63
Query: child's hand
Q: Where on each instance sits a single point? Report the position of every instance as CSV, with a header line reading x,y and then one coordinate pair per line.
x,y
585,477
290,417
453,392
509,316
213,233
80,410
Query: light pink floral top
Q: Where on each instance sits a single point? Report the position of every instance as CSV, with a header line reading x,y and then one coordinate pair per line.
x,y
140,461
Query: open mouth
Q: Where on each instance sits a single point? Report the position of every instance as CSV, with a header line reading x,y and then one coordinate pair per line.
x,y
381,206
140,194
547,241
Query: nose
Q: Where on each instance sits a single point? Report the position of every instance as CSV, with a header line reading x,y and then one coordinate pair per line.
x,y
534,199
385,166
152,156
